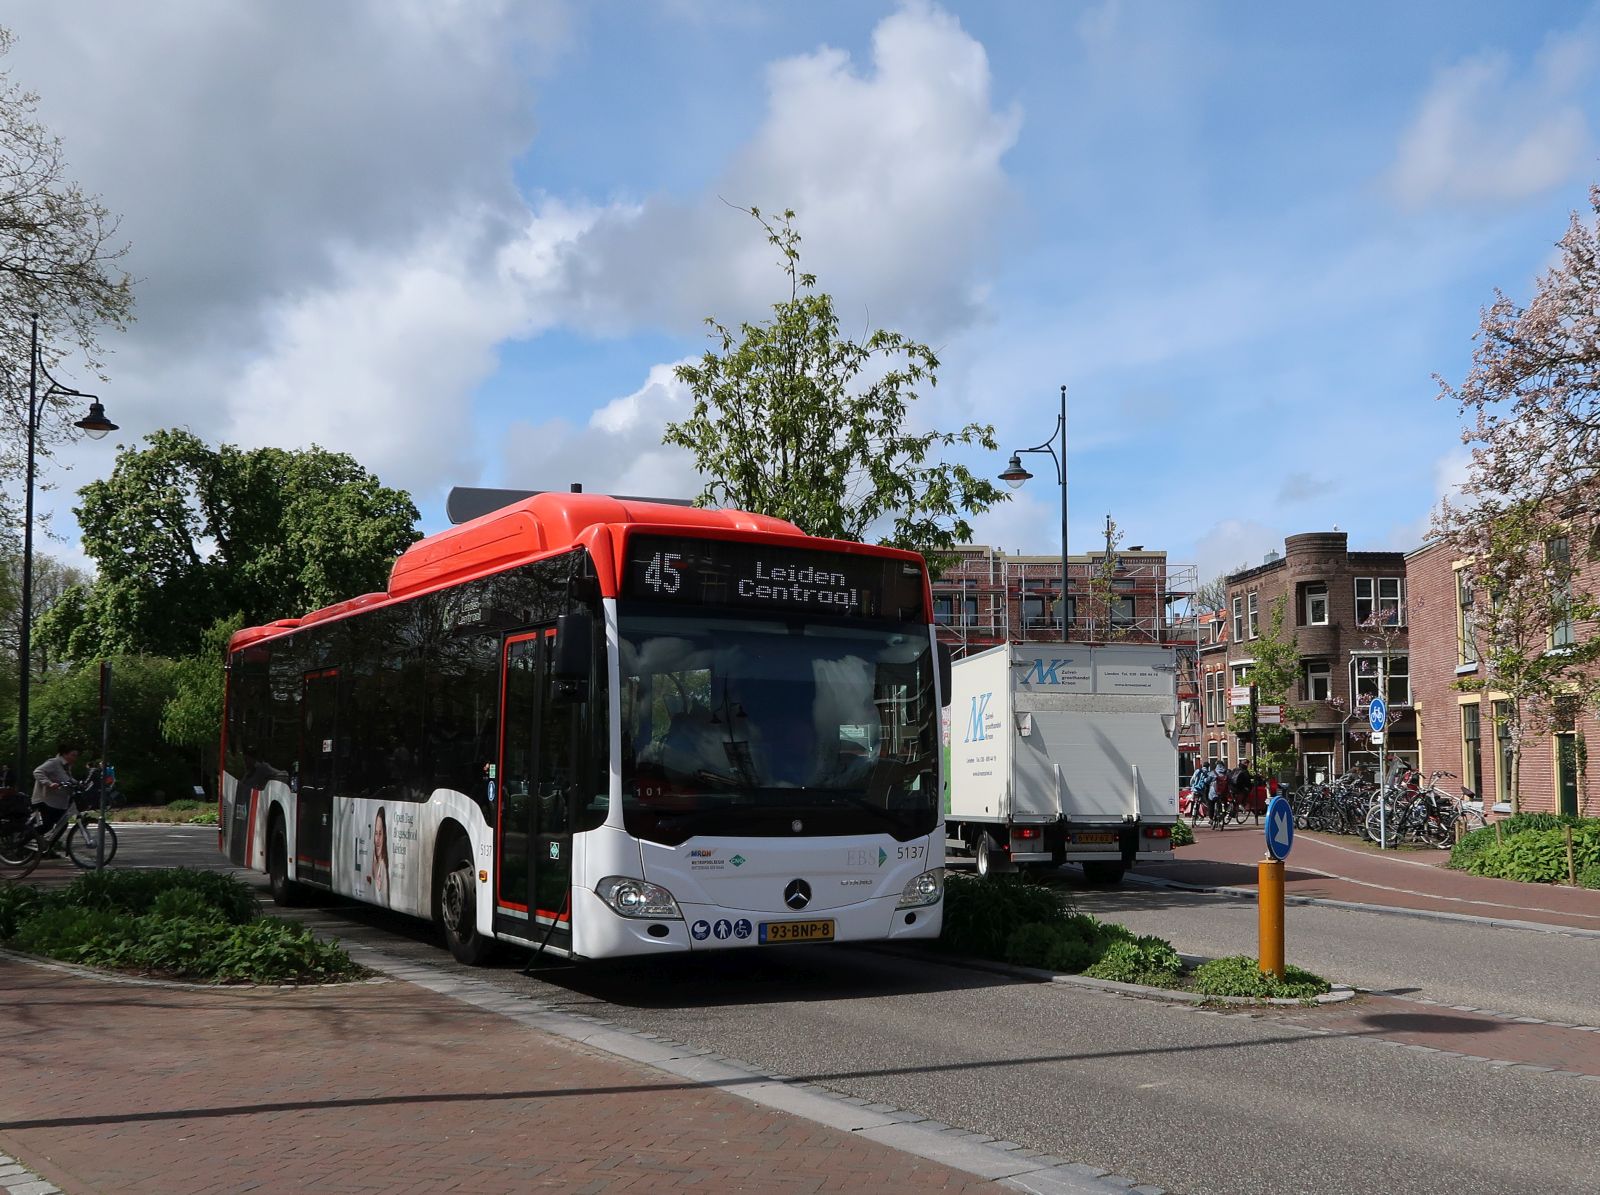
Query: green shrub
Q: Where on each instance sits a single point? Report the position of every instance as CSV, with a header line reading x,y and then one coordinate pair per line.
x,y
18,902
206,817
136,892
1538,855
1239,975
188,805
1148,960
1182,834
1589,877
1475,845
1031,945
74,933
272,950
979,915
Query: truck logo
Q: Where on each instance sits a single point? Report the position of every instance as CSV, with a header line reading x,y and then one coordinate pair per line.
x,y
1042,672
976,733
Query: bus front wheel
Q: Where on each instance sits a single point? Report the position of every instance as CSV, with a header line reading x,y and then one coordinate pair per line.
x,y
457,902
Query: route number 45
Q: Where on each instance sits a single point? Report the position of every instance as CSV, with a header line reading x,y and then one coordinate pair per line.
x,y
664,573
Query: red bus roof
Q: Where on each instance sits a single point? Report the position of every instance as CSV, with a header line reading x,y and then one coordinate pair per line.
x,y
542,526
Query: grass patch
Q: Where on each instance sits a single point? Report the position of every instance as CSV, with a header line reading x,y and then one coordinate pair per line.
x,y
1015,920
185,811
175,923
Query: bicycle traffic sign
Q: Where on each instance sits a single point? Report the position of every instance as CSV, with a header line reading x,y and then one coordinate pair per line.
x,y
1280,828
1378,713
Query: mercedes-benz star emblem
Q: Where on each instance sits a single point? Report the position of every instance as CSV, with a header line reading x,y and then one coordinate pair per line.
x,y
797,895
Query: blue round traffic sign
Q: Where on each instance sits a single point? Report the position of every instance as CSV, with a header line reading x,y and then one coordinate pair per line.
x,y
1378,713
1280,828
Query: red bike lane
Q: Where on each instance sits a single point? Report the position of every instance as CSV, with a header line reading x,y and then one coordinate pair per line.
x,y
1328,867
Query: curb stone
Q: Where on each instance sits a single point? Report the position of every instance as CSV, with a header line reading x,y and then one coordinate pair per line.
x,y
17,1179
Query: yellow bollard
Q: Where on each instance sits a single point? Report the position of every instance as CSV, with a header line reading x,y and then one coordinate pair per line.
x,y
1269,910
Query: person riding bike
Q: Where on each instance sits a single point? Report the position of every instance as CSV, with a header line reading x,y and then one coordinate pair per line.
x,y
53,785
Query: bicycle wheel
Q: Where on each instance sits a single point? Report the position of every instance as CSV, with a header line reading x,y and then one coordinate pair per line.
x,y
20,850
1470,819
83,841
1219,813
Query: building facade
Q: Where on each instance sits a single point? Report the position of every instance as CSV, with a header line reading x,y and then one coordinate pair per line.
x,y
987,597
1346,613
1465,731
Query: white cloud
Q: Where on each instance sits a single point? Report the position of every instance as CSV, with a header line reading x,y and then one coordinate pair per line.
x,y
1233,544
617,451
1484,135
894,172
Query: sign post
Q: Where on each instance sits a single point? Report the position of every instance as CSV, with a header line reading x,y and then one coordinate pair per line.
x,y
105,741
1269,886
1377,717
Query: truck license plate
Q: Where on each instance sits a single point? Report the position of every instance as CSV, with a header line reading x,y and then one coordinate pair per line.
x,y
1094,838
795,931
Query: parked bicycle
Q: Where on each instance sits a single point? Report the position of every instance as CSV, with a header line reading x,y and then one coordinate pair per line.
x,y
24,840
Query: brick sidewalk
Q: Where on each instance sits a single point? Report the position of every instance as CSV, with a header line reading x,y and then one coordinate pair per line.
x,y
385,1087
1333,868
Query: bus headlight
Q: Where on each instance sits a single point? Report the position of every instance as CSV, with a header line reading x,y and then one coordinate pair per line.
x,y
638,898
925,889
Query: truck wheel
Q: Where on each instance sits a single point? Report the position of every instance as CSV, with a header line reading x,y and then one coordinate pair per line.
x,y
985,856
1103,875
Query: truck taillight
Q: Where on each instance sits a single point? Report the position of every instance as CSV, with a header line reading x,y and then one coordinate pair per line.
x,y
1026,832
1158,832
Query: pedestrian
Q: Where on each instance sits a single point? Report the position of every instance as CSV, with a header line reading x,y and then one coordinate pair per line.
x,y
52,784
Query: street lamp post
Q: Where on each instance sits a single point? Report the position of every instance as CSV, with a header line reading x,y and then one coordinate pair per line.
x,y
1015,475
94,424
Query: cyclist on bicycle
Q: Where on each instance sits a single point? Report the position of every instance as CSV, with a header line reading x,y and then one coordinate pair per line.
x,y
1199,790
53,785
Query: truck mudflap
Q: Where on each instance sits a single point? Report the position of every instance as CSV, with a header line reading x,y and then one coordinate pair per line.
x,y
1128,842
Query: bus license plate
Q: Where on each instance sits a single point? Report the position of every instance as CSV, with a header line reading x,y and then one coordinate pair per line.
x,y
796,931
1094,838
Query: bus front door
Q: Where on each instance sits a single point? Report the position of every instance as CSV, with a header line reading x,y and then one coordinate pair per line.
x,y
533,840
313,838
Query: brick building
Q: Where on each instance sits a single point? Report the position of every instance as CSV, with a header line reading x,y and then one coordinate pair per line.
x,y
1329,592
1466,732
988,597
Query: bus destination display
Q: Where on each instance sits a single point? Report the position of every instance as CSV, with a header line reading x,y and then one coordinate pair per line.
x,y
728,573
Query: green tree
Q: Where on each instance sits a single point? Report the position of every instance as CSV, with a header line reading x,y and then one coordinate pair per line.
x,y
58,261
185,535
192,717
794,420
67,707
1103,590
1276,676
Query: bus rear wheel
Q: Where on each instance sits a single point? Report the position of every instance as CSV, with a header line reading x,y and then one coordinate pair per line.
x,y
285,892
457,905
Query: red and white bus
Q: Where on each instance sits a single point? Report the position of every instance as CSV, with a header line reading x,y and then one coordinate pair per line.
x,y
604,727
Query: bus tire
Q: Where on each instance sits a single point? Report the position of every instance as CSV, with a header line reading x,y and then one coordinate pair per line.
x,y
456,903
1102,874
285,892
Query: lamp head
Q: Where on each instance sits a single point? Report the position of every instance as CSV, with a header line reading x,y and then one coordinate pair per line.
x,y
1015,474
95,424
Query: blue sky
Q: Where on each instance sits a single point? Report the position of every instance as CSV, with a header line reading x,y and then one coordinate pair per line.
x,y
467,242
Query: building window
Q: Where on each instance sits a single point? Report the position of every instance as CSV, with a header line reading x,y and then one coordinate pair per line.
x,y
1040,608
1505,755
1319,680
1255,626
943,609
1466,622
1122,612
1379,596
1396,674
1316,607
1558,557
1471,765
1238,620
1241,674
1317,766
1212,748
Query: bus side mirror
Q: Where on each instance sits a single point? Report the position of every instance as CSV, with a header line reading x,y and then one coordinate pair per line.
x,y
574,648
944,671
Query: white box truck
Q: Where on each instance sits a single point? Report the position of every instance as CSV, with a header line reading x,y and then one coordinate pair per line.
x,y
1063,753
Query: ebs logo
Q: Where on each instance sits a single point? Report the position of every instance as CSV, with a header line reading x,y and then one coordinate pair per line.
x,y
976,731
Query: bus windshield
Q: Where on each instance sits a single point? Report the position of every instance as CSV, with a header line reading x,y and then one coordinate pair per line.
x,y
757,726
